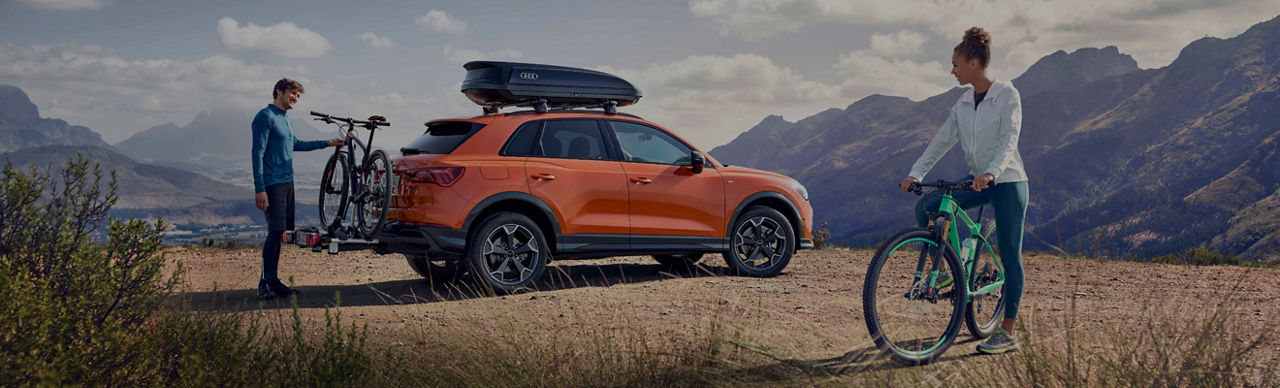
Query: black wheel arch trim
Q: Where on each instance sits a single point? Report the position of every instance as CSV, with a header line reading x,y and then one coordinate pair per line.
x,y
796,223
516,196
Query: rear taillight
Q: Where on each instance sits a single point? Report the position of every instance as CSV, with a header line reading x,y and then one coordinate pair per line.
x,y
443,176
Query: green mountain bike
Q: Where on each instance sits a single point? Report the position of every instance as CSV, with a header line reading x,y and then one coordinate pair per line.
x,y
911,300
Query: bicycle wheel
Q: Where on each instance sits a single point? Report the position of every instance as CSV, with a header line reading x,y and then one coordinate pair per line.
x,y
909,321
372,207
334,189
984,310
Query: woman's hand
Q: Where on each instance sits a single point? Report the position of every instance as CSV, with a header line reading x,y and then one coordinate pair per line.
x,y
982,182
906,184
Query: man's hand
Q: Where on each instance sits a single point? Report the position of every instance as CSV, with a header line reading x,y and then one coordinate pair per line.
x,y
906,184
983,182
337,142
260,199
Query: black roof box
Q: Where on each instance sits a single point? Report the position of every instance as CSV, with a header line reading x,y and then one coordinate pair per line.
x,y
494,85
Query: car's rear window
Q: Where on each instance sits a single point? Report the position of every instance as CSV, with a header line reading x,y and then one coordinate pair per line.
x,y
442,138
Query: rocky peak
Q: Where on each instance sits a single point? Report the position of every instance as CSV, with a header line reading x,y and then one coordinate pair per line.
x,y
1060,70
15,106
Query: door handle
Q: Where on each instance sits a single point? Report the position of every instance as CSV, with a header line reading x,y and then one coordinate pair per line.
x,y
544,177
642,180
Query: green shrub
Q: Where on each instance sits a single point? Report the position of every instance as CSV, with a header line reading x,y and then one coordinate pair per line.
x,y
84,303
822,235
1199,257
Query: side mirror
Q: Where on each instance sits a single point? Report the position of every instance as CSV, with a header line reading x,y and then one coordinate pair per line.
x,y
697,162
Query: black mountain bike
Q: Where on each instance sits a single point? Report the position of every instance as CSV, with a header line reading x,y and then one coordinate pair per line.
x,y
363,189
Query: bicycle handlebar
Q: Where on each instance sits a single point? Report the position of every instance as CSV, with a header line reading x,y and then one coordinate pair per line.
x,y
941,185
367,124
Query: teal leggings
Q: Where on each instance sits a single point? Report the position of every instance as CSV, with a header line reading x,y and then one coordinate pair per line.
x,y
1009,200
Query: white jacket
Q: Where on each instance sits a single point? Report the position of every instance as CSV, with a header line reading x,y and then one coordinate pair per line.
x,y
989,135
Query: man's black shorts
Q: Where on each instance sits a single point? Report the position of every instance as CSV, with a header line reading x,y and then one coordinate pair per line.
x,y
279,211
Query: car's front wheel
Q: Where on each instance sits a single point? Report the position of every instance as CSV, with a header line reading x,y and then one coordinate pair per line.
x,y
761,243
507,253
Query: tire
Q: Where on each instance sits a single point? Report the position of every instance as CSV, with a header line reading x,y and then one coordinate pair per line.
x,y
747,250
678,263
982,314
334,189
439,270
912,329
371,210
493,262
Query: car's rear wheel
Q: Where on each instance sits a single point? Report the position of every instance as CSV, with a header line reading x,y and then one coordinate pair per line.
x,y
507,253
681,262
439,270
761,243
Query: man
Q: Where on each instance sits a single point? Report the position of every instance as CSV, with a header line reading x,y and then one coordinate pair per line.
x,y
273,146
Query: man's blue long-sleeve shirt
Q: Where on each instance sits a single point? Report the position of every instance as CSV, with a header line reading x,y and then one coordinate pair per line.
x,y
273,146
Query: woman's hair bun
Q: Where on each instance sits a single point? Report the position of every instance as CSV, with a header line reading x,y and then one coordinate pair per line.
x,y
976,45
977,36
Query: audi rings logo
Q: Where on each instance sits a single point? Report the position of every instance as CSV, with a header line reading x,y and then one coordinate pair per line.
x,y
529,76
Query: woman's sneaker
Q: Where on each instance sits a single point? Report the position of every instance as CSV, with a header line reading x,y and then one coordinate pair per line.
x,y
999,342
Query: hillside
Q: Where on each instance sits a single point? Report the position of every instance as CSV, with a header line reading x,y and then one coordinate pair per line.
x,y
1121,160
813,325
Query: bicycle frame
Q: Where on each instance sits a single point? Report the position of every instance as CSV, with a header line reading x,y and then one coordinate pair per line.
x,y
944,226
346,128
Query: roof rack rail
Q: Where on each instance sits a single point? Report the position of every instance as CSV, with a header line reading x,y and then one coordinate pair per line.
x,y
495,85
530,112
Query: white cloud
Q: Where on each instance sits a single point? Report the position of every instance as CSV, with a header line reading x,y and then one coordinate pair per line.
x,y
442,22
284,39
709,99
373,40
754,19
869,74
1153,31
902,44
461,56
68,5
116,96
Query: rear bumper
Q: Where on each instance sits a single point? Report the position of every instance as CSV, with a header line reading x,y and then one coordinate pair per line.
x,y
419,240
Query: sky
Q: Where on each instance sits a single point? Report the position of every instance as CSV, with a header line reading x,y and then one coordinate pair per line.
x,y
709,69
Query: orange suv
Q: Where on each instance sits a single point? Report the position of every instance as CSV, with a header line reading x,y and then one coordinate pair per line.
x,y
500,195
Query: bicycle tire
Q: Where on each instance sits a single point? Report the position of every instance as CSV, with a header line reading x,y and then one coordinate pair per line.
x,y
334,187
890,346
973,311
373,205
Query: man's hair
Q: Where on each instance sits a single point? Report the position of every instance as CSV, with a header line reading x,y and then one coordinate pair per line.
x,y
284,84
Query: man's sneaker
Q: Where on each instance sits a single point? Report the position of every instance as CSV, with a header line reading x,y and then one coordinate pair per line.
x,y
282,290
264,291
999,342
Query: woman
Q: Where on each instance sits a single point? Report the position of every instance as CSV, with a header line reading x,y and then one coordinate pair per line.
x,y
986,121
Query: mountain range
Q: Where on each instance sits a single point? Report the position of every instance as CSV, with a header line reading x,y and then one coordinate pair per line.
x,y
1120,160
217,143
146,190
22,127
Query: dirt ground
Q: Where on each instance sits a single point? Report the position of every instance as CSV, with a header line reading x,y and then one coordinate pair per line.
x,y
811,312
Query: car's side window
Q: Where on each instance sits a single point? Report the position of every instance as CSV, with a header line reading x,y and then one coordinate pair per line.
x,y
644,144
521,142
571,139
